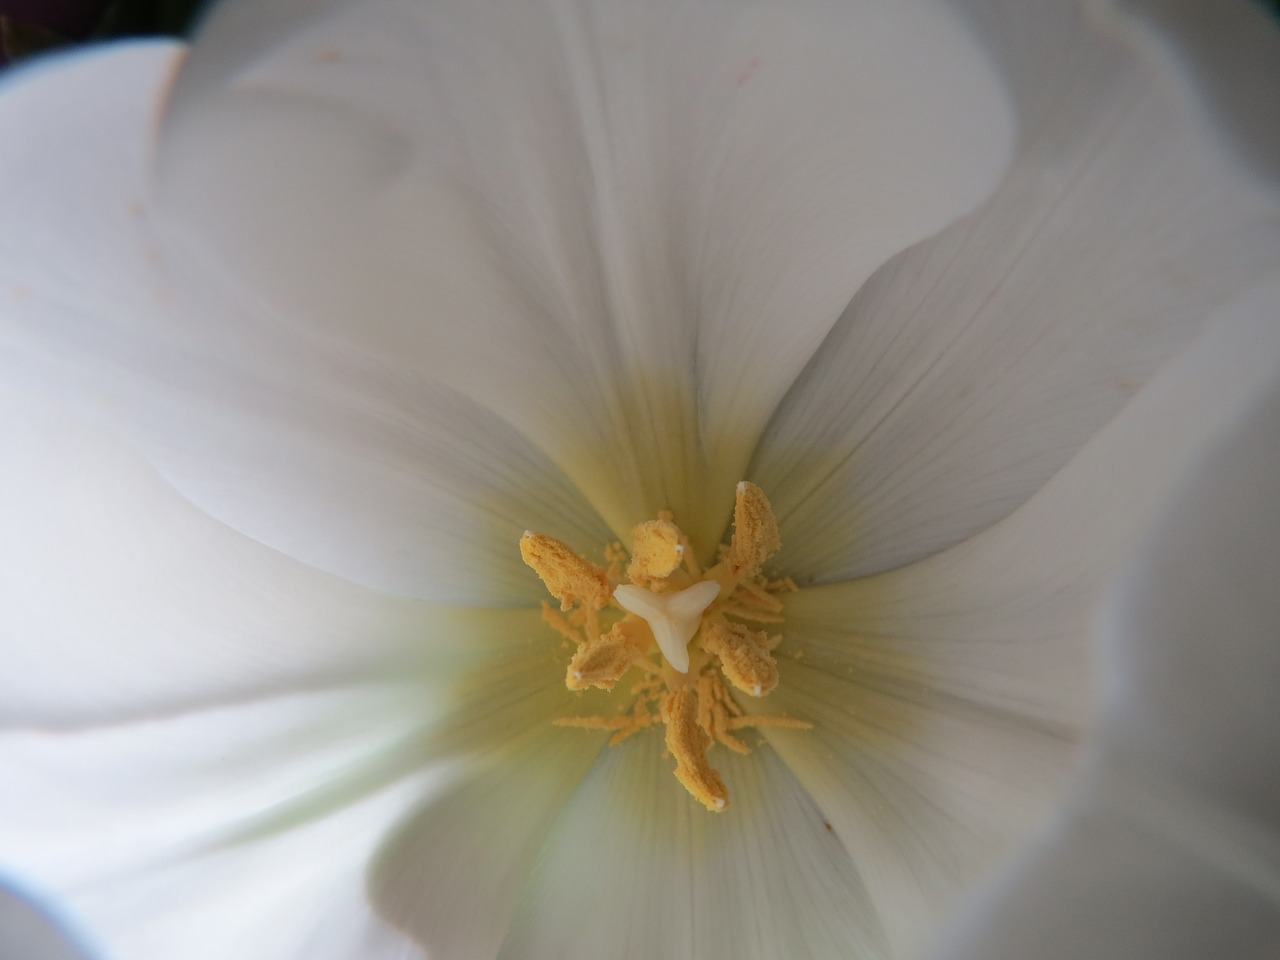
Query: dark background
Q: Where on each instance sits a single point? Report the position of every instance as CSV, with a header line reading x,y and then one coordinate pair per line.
x,y
30,26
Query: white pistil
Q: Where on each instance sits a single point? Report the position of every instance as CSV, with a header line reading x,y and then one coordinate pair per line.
x,y
673,617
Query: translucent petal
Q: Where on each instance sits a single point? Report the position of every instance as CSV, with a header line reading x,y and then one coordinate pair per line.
x,y
138,827
635,867
449,875
1231,48
1109,882
924,791
946,695
305,900
384,479
209,825
999,619
970,368
1171,846
622,227
121,599
1192,662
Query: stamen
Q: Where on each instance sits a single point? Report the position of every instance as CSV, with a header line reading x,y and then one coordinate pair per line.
x,y
688,743
755,531
694,617
656,551
601,661
744,654
570,577
673,617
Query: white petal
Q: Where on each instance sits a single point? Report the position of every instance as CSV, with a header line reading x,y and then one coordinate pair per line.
x,y
118,598
1179,809
623,227
1171,846
73,818
924,790
383,479
297,897
259,821
952,688
1192,645
141,828
1231,48
449,875
635,867
423,497
999,620
970,369
1111,881
78,214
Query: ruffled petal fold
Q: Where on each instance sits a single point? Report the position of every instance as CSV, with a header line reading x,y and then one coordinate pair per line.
x,y
1231,50
635,867
1190,651
970,368
138,828
947,695
145,830
924,791
450,874
303,899
623,228
1109,882
386,480
1171,846
118,598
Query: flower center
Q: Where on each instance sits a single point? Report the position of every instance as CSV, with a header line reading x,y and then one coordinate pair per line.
x,y
684,629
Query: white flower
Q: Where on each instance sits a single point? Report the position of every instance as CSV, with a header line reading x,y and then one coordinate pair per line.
x,y
397,281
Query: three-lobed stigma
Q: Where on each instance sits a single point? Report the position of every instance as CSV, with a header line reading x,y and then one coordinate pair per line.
x,y
672,617
683,629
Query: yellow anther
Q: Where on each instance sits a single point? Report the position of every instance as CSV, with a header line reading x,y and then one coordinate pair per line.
x,y
601,661
744,654
755,531
657,549
569,577
688,743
